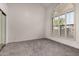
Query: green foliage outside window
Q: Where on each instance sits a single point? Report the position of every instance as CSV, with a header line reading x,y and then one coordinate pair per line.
x,y
58,22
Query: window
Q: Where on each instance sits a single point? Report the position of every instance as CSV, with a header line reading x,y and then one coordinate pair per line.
x,y
63,25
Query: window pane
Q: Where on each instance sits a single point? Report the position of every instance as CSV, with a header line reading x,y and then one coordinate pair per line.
x,y
70,18
62,25
70,24
56,26
55,21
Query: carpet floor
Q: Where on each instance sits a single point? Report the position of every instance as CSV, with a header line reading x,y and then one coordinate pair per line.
x,y
40,47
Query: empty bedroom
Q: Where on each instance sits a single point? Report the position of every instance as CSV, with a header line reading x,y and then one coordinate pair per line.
x,y
39,29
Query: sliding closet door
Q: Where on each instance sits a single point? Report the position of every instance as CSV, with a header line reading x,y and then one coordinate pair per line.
x,y
3,28
0,31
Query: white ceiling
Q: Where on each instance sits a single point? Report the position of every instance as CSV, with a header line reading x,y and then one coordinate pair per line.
x,y
49,4
46,5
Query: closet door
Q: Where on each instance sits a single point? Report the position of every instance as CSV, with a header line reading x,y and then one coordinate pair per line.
x,y
3,28
0,31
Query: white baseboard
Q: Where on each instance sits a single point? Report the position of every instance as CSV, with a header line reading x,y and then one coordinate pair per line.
x,y
24,40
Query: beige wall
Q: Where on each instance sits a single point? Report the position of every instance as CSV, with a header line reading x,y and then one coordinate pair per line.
x,y
25,22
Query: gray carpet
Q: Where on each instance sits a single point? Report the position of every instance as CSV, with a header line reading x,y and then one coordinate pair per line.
x,y
40,47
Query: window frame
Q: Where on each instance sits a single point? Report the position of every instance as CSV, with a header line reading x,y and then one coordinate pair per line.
x,y
65,21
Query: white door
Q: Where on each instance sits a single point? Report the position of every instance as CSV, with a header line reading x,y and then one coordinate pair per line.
x,y
0,31
3,28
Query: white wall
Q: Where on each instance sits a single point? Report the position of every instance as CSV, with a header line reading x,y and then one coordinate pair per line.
x,y
77,21
25,22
